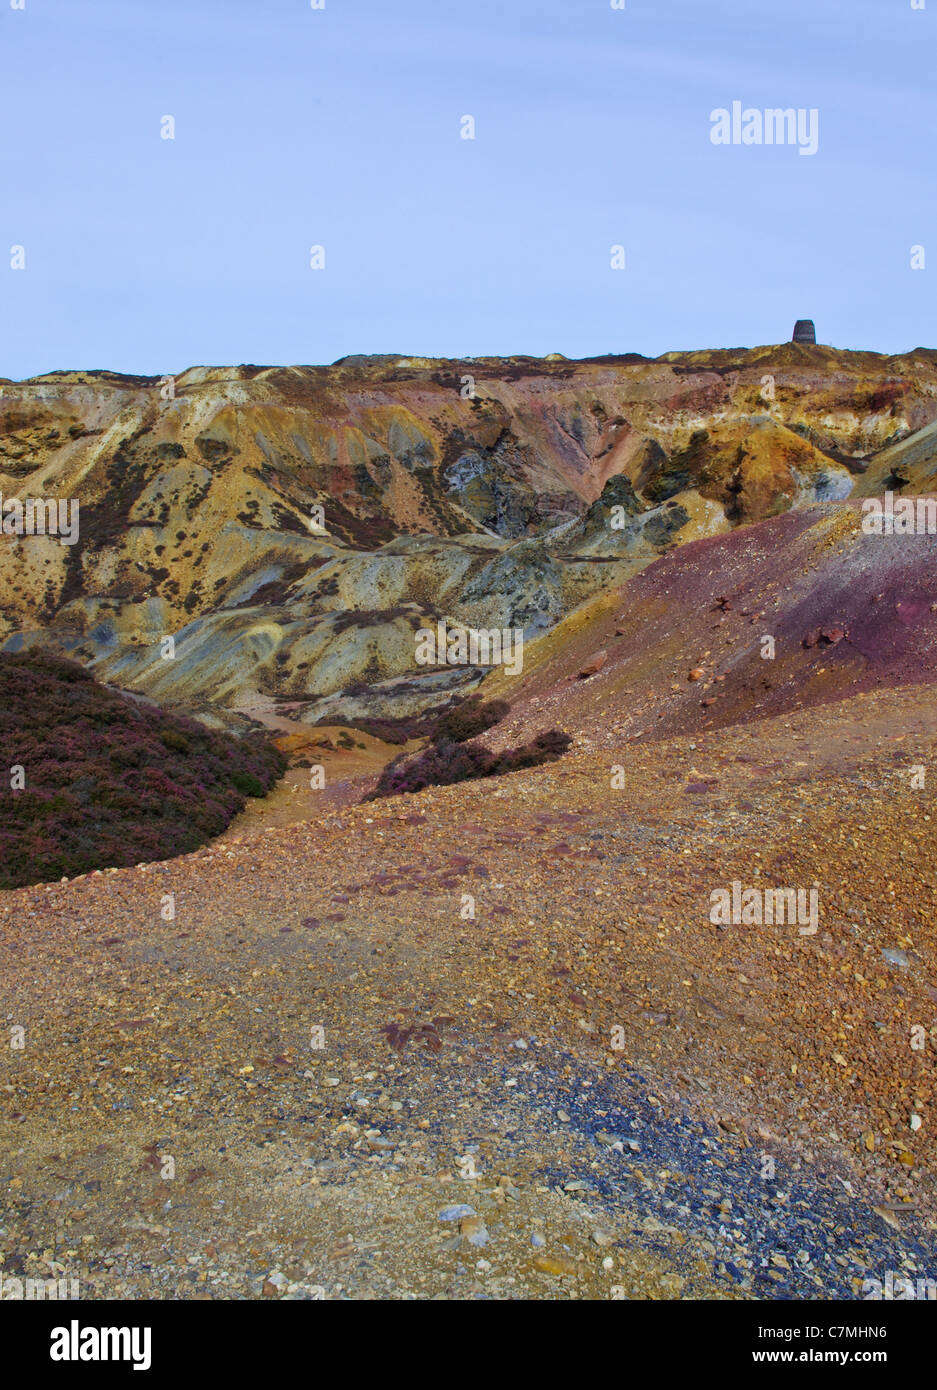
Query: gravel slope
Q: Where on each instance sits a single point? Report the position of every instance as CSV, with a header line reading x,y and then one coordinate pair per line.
x,y
746,1133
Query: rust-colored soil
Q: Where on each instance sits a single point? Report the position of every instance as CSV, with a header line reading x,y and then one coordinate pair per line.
x,y
631,1100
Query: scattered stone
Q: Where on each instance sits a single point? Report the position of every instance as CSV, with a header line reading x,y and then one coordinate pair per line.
x,y
555,1264
459,1212
593,665
474,1230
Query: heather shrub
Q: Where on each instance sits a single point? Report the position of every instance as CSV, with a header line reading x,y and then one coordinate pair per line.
x,y
391,730
544,748
247,783
442,764
108,781
467,720
455,724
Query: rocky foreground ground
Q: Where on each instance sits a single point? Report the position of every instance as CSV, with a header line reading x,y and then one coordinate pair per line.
x,y
323,1077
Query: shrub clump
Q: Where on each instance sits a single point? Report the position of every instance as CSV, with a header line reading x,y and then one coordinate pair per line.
x,y
467,720
107,781
455,724
444,763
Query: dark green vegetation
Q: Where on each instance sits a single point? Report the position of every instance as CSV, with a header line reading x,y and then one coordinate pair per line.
x,y
108,781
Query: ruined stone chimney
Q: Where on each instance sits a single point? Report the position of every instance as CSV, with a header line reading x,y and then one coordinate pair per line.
x,y
804,332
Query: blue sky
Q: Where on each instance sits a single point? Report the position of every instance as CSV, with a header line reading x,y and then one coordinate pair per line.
x,y
341,127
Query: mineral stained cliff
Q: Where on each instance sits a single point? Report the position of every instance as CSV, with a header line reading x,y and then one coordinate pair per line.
x,y
291,527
